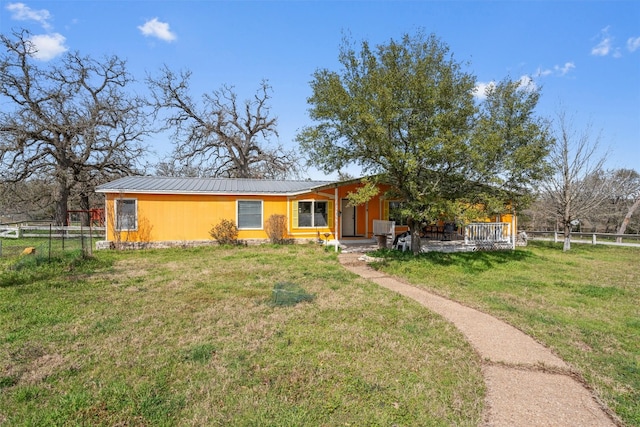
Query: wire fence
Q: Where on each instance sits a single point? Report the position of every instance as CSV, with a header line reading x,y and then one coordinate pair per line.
x,y
46,243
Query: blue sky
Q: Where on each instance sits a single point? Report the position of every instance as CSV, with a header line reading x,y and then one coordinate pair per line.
x,y
585,55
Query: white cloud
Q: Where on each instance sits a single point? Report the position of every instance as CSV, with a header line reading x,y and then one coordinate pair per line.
x,y
603,48
527,83
565,69
155,28
48,46
481,89
543,73
22,12
633,44
558,70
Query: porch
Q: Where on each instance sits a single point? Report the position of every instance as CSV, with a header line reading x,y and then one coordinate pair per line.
x,y
473,237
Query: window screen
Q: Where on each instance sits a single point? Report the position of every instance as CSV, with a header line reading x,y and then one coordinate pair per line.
x,y
250,214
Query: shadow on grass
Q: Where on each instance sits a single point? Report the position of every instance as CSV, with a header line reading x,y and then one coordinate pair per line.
x,y
31,269
473,262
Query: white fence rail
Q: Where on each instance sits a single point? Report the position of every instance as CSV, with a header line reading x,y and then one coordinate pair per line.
x,y
589,238
53,231
10,232
488,233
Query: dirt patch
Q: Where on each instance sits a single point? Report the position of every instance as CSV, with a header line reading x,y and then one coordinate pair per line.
x,y
42,368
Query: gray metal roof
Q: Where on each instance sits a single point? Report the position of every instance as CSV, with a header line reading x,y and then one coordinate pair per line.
x,y
170,185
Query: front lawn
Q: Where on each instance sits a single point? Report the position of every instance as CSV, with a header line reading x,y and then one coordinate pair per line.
x,y
193,337
584,304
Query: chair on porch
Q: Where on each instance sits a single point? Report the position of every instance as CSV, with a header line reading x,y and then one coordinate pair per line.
x,y
448,231
402,241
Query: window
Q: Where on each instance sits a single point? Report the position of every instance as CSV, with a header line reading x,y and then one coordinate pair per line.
x,y
395,213
313,214
250,214
126,214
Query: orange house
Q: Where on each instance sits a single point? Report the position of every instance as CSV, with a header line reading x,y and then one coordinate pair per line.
x,y
170,210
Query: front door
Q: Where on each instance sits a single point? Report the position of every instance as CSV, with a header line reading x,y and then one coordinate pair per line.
x,y
348,219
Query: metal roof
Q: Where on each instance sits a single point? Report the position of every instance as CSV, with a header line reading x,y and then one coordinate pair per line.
x,y
171,185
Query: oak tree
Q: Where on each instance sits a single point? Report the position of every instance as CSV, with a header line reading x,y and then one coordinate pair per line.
x,y
221,136
405,113
72,122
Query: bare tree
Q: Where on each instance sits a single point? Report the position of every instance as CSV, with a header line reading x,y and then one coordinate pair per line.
x,y
627,193
173,169
576,162
220,136
26,200
72,121
616,214
623,189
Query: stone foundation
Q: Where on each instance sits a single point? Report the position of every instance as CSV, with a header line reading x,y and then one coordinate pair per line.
x,y
105,244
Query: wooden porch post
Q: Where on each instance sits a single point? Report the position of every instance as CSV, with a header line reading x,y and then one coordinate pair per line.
x,y
335,218
513,228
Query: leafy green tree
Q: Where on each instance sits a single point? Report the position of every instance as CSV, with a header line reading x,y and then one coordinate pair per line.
x,y
405,113
510,141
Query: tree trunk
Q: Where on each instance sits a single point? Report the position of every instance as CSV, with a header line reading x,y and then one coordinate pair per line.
x,y
85,217
414,230
627,218
61,200
567,237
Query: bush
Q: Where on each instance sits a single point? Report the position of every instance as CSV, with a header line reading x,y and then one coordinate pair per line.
x,y
276,228
225,232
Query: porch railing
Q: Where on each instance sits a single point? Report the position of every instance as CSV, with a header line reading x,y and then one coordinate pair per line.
x,y
487,233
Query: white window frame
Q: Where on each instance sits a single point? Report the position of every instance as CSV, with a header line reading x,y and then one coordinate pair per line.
x,y
261,214
117,224
313,213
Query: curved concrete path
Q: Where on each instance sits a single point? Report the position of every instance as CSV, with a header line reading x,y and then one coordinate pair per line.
x,y
527,385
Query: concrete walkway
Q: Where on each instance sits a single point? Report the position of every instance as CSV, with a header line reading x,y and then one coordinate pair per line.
x,y
527,385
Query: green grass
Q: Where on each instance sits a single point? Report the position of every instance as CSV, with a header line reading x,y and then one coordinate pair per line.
x,y
584,304
193,337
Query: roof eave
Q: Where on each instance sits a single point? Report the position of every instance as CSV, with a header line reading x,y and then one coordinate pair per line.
x,y
202,193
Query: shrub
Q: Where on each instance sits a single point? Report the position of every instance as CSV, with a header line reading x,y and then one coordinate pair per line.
x,y
225,232
276,228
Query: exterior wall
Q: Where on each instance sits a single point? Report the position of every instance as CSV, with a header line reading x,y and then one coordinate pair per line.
x,y
186,217
505,217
